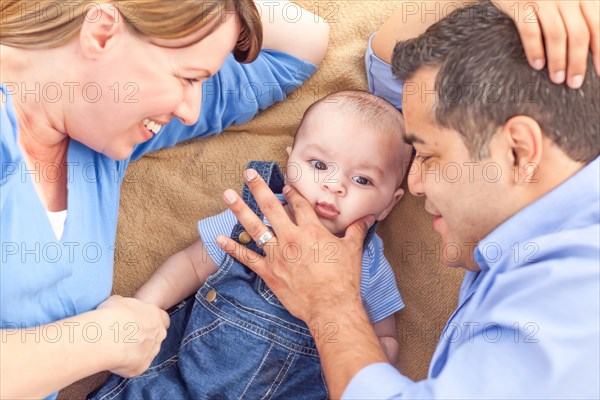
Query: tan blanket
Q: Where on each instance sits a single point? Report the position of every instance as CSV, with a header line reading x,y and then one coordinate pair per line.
x,y
167,192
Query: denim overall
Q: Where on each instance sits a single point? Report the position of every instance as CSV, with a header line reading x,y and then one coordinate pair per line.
x,y
232,340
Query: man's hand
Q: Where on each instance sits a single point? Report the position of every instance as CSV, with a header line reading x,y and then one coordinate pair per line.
x,y
308,268
315,274
567,29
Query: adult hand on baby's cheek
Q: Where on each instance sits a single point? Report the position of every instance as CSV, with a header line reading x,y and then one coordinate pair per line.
x,y
328,272
308,268
137,329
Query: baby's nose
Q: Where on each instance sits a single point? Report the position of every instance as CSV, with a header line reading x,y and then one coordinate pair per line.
x,y
335,186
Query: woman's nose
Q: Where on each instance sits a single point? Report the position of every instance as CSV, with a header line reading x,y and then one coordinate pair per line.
x,y
188,110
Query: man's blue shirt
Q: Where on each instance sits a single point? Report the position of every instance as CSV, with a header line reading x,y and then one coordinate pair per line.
x,y
527,324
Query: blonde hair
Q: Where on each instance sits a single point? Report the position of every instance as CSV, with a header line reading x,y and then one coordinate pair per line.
x,y
36,24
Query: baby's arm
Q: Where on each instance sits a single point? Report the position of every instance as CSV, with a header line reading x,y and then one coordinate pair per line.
x,y
181,275
386,332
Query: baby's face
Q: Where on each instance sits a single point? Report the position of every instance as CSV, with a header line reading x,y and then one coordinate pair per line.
x,y
345,168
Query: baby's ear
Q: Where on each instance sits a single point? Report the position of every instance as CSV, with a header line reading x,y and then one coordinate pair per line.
x,y
398,194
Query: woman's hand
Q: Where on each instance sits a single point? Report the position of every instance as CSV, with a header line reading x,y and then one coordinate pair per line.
x,y
565,29
125,336
138,329
308,268
559,33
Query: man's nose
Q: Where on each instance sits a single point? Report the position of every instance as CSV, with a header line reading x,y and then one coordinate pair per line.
x,y
415,183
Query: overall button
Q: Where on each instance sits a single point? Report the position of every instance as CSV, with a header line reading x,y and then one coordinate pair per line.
x,y
245,237
211,295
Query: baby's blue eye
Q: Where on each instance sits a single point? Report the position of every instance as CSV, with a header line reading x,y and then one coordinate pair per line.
x,y
320,165
361,180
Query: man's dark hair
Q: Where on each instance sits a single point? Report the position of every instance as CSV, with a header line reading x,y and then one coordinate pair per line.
x,y
484,79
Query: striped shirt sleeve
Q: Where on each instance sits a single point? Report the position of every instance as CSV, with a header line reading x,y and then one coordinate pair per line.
x,y
210,228
379,290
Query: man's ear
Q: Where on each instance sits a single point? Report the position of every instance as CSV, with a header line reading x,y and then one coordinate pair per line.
x,y
525,139
101,25
398,194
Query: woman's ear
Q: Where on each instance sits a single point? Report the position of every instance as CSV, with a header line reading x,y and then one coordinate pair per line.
x,y
102,24
398,194
288,150
525,140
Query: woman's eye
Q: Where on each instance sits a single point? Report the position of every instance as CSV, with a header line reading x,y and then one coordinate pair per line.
x,y
361,180
320,165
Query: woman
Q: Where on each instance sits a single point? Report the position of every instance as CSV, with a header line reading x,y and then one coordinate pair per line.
x,y
86,88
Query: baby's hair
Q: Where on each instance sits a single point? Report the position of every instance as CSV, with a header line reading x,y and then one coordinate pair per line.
x,y
371,109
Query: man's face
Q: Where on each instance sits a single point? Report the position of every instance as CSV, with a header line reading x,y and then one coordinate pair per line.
x,y
467,198
345,168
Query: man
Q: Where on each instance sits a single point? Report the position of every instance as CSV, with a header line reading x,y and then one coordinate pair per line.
x,y
528,321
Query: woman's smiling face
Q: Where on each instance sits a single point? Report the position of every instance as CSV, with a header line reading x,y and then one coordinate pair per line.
x,y
131,85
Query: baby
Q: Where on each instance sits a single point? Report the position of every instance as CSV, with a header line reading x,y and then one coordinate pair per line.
x,y
234,339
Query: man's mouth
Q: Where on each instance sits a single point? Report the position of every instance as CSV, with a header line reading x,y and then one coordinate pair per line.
x,y
431,209
326,210
437,217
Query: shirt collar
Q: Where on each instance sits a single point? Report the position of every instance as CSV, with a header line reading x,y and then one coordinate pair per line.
x,y
550,213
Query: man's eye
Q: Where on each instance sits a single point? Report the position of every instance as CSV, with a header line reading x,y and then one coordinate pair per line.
x,y
361,180
320,165
421,158
191,82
